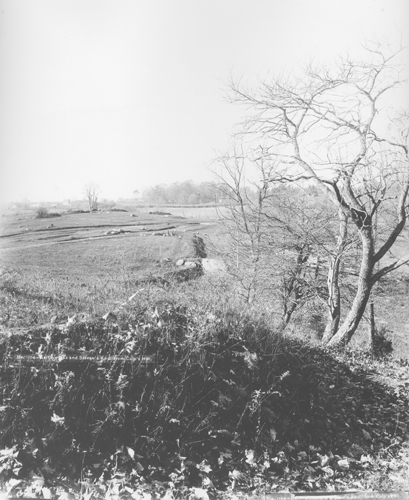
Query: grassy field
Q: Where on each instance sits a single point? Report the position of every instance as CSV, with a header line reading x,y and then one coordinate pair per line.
x,y
89,244
94,261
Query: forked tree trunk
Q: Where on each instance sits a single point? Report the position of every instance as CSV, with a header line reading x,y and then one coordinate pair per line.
x,y
349,326
334,294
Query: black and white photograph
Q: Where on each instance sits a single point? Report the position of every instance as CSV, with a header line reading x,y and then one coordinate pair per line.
x,y
204,249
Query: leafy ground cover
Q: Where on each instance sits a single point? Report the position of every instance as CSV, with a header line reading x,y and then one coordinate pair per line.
x,y
186,396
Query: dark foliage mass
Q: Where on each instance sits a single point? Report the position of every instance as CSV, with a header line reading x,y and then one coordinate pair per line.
x,y
199,247
192,398
43,213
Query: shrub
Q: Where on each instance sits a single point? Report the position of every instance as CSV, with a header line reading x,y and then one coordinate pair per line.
x,y
41,212
199,247
382,346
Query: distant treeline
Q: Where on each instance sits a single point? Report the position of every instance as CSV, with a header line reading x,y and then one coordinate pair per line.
x,y
184,193
189,193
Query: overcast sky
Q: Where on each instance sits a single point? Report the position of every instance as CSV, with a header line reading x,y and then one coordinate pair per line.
x,y
130,93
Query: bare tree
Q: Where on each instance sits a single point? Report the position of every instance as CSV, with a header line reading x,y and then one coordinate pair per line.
x,y
335,129
91,191
274,232
335,259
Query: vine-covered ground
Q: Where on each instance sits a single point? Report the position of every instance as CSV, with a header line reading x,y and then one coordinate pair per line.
x,y
177,399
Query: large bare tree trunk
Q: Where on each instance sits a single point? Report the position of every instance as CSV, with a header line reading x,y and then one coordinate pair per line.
x,y
365,283
367,275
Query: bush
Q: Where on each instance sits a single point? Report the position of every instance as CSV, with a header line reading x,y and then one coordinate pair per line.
x,y
41,213
199,247
382,346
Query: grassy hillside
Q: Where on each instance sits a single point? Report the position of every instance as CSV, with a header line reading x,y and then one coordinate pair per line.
x,y
182,390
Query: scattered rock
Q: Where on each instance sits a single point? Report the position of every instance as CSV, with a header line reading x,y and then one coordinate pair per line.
x,y
189,265
115,231
168,233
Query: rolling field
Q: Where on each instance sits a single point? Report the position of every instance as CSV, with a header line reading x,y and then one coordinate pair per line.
x,y
92,244
92,262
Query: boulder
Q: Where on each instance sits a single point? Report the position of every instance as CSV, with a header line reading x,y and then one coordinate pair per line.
x,y
180,262
213,266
